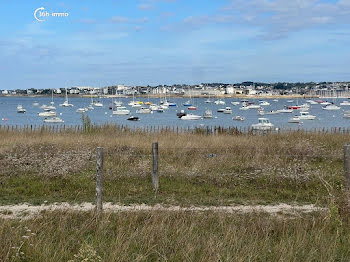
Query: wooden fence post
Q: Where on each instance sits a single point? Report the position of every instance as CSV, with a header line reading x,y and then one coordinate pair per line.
x,y
347,164
155,178
99,180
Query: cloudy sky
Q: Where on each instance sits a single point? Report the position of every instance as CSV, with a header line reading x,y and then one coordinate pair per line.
x,y
138,42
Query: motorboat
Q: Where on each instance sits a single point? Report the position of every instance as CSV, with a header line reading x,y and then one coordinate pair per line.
x,y
263,124
275,100
306,116
244,108
219,102
154,107
190,117
163,107
253,106
261,112
285,110
294,119
121,111
290,101
47,113
264,103
82,110
208,114
144,110
238,118
133,118
20,109
272,112
181,114
53,120
208,101
35,104
345,103
331,107
135,104
235,103
220,110
228,110
97,104
192,108
48,108
325,103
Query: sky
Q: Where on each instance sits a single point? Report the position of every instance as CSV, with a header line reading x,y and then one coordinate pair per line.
x,y
150,42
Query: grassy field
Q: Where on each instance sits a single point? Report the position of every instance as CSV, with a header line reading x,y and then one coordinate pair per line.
x,y
175,236
290,168
296,168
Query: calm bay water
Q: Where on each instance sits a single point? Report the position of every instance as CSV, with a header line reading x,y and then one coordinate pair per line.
x,y
324,118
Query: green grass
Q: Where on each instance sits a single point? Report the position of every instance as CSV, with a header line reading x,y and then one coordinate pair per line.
x,y
174,190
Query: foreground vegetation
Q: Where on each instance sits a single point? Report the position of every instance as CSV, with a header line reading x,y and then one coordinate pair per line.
x,y
195,169
175,236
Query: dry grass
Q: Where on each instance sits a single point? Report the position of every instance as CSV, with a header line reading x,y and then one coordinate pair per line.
x,y
167,236
291,167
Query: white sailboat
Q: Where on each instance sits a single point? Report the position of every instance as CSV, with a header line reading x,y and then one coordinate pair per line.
x,y
95,104
20,109
51,107
66,103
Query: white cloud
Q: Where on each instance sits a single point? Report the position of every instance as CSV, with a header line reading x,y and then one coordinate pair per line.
x,y
278,18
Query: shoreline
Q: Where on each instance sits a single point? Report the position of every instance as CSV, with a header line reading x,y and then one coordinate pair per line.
x,y
184,96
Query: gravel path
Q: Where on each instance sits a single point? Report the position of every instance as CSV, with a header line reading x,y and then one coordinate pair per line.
x,y
26,211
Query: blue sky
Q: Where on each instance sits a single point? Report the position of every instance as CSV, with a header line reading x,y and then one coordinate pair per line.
x,y
140,42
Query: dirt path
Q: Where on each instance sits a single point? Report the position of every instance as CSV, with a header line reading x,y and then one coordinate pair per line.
x,y
26,211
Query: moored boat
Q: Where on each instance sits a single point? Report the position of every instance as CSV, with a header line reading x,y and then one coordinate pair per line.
x,y
190,117
133,118
208,114
20,109
263,124
238,118
53,120
121,111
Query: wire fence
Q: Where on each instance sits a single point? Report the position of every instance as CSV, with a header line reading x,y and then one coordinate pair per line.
x,y
205,130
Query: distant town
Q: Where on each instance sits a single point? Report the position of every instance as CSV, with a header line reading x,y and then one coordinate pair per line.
x,y
312,89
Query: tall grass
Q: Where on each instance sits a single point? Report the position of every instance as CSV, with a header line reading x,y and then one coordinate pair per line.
x,y
194,168
178,236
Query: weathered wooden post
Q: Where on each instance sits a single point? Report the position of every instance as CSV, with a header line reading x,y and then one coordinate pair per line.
x,y
99,180
155,178
347,164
